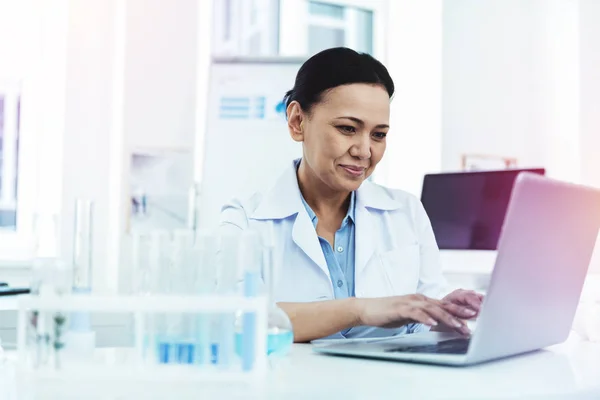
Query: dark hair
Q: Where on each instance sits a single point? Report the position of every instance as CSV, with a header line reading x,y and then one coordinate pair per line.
x,y
335,67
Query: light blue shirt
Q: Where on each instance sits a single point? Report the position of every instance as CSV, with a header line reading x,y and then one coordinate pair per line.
x,y
340,258
340,263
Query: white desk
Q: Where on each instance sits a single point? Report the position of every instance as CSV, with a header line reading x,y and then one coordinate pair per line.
x,y
567,371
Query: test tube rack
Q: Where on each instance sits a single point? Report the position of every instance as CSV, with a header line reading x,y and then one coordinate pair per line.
x,y
137,370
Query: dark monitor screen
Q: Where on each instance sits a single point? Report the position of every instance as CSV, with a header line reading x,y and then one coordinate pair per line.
x,y
467,209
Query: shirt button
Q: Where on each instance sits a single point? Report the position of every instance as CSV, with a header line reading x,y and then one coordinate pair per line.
x,y
340,283
340,249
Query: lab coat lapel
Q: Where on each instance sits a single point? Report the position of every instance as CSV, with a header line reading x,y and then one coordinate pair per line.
x,y
283,201
365,237
305,236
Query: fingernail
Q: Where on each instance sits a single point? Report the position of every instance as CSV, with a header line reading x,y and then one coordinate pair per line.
x,y
456,323
471,312
432,322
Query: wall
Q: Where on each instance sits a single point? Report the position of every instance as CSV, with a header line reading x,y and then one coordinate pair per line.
x,y
510,82
487,58
589,29
414,60
160,74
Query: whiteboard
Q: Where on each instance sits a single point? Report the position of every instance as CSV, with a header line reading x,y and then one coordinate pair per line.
x,y
247,144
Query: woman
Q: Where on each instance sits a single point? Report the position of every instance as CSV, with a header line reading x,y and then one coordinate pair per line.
x,y
354,259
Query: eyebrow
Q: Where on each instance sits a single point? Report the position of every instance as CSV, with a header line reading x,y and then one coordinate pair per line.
x,y
361,122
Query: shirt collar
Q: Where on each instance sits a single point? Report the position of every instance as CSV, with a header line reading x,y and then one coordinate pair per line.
x,y
349,214
285,199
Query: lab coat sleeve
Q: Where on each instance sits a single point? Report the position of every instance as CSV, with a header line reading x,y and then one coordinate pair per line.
x,y
233,218
431,279
233,221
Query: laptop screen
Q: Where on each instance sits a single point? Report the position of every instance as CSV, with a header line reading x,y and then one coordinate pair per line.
x,y
467,209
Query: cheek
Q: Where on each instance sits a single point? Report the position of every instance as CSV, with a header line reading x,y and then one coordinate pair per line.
x,y
377,152
334,144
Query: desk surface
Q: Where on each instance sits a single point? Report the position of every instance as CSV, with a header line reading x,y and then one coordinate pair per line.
x,y
570,370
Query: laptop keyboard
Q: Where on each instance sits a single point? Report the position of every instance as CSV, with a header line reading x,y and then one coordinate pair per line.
x,y
452,346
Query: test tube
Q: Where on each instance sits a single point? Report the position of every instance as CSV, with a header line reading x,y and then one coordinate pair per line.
x,y
204,284
224,334
141,284
182,271
141,280
51,277
160,283
82,338
82,246
250,263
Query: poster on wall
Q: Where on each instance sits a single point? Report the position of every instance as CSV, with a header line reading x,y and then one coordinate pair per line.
x,y
247,144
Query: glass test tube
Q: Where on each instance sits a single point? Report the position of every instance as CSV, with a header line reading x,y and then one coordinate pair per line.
x,y
141,280
180,325
223,332
50,277
160,283
82,246
249,261
204,284
141,284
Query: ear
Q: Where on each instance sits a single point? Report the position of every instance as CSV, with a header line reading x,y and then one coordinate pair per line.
x,y
296,117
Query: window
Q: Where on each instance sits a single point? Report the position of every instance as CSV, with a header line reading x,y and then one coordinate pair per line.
x,y
309,26
331,25
9,142
21,128
326,10
245,27
297,28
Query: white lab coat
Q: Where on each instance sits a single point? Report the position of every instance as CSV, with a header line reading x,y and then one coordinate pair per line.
x,y
395,248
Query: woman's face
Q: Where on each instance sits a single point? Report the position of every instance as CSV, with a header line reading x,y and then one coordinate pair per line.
x,y
344,136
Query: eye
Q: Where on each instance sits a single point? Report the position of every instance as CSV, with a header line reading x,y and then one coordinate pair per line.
x,y
380,135
346,129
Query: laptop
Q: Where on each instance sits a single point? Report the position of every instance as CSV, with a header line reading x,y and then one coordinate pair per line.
x,y
467,209
545,248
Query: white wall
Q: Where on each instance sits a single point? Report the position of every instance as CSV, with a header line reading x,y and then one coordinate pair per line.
x,y
510,82
589,29
160,77
414,60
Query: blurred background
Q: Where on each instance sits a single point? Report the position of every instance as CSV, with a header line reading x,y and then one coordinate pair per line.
x,y
161,110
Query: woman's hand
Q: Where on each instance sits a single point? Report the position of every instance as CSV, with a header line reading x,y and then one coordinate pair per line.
x,y
396,311
465,298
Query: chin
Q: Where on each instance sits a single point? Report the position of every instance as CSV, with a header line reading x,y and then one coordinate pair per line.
x,y
351,185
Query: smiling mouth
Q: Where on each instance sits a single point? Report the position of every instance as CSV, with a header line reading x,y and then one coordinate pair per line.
x,y
353,170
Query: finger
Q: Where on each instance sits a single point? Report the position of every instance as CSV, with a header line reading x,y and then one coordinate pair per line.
x,y
455,307
459,311
473,301
439,314
464,330
418,315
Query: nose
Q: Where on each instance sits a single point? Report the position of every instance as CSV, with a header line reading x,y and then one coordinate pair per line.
x,y
361,148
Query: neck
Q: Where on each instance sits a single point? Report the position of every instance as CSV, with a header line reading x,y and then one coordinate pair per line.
x,y
320,197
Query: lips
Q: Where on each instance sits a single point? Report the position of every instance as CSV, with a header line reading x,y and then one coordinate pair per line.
x,y
353,170
354,167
